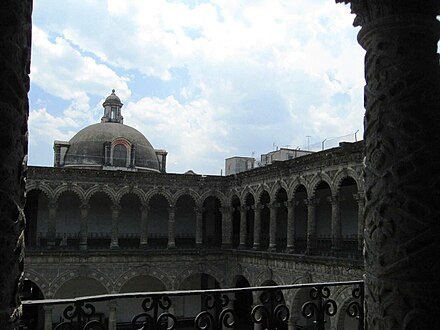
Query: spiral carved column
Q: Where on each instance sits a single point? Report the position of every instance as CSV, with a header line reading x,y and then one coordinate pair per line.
x,y
402,209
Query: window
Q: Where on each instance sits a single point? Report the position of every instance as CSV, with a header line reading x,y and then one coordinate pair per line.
x,y
120,155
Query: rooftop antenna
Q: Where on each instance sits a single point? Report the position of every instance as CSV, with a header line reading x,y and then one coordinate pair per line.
x,y
308,142
355,136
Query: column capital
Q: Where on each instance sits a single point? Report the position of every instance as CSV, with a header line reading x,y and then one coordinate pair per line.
x,y
53,204
116,207
311,201
334,199
199,209
291,203
225,209
274,205
359,196
145,207
84,206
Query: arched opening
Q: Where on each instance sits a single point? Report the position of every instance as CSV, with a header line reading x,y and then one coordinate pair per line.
x,y
129,221
99,221
323,218
265,220
348,208
127,308
187,307
250,220
37,212
68,219
158,222
235,204
34,314
281,219
300,210
212,222
81,287
120,155
185,222
243,305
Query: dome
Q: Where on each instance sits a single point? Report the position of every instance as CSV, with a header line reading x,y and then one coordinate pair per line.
x,y
88,147
112,99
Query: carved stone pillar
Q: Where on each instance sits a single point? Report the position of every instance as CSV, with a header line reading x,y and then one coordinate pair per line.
x,y
48,317
83,226
243,227
144,227
15,40
171,227
226,227
311,225
360,198
257,226
51,224
402,140
199,226
112,319
336,224
273,208
291,226
114,243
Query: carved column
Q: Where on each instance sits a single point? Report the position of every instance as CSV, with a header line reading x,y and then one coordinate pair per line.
x,y
171,227
257,226
311,225
243,227
15,40
83,228
144,226
226,227
199,226
273,227
291,225
114,243
51,224
336,224
360,198
48,317
112,319
402,140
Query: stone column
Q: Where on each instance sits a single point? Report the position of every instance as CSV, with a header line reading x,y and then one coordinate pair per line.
x,y
114,243
48,317
257,226
402,162
199,226
83,226
336,224
360,198
171,227
51,224
291,225
15,40
243,227
273,227
112,319
144,226
226,227
311,225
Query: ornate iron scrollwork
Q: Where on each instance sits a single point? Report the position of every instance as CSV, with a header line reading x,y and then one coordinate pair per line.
x,y
213,303
319,306
156,321
355,308
78,317
272,309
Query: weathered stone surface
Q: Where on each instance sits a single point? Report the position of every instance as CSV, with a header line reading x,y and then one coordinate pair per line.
x,y
15,40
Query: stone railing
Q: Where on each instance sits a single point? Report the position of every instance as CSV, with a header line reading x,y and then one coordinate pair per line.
x,y
215,310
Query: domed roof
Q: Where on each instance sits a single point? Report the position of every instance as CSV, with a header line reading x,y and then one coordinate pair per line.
x,y
112,99
87,146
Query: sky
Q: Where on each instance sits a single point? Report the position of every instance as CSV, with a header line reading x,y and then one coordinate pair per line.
x,y
204,80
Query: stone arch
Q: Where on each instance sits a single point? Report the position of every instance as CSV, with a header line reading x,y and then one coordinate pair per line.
x,y
161,192
245,192
295,184
186,191
261,189
44,188
276,187
212,221
40,280
185,220
268,275
343,174
317,179
214,193
211,270
100,188
341,319
129,190
67,187
144,270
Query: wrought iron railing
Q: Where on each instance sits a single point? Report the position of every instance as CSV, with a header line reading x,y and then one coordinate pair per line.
x,y
320,304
